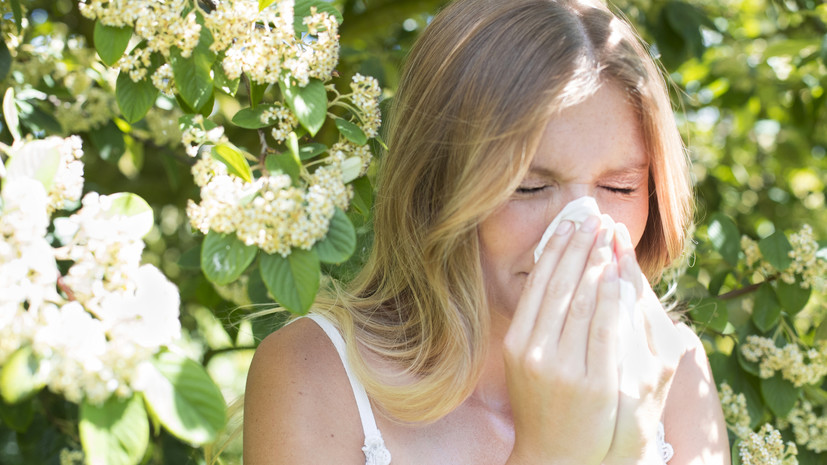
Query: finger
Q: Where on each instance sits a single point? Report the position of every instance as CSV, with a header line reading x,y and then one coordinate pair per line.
x,y
563,283
601,358
630,272
525,315
574,337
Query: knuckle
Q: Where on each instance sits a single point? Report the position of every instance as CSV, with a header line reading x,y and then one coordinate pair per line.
x,y
581,306
601,333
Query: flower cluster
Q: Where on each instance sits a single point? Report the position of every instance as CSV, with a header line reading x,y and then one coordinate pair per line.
x,y
259,43
796,366
94,328
808,262
283,120
270,212
199,133
735,411
365,96
767,448
809,428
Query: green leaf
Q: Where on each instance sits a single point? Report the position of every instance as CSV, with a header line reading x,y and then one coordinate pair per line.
x,y
18,376
257,92
131,208
293,280
687,20
351,131
115,433
18,416
309,103
362,195
710,312
109,141
38,159
5,60
183,397
222,81
765,311
779,395
134,98
250,118
725,238
232,157
111,42
224,257
792,297
285,163
192,74
18,15
301,9
310,150
776,249
340,242
10,113
37,120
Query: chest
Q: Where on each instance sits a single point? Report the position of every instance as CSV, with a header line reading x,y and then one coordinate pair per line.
x,y
467,435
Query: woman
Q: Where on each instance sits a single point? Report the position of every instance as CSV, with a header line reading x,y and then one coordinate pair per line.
x,y
456,345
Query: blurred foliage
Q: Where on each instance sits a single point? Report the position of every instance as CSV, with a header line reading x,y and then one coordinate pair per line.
x,y
749,79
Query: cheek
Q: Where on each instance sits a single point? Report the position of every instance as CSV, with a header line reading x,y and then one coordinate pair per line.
x,y
512,231
633,214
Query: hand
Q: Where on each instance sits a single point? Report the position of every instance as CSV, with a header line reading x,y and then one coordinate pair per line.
x,y
560,351
650,365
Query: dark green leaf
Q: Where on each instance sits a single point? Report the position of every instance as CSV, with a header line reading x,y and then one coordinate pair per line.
x,y
710,313
108,139
234,160
292,280
779,395
17,416
111,42
309,103
115,433
191,259
17,13
5,60
193,74
134,98
308,151
183,397
18,376
792,297
250,118
37,120
351,131
725,238
765,310
224,257
687,20
776,249
301,9
340,242
257,91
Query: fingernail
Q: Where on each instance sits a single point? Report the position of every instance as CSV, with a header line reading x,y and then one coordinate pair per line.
x,y
604,238
563,228
591,224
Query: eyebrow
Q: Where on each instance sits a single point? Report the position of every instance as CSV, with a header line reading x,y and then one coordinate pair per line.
x,y
635,169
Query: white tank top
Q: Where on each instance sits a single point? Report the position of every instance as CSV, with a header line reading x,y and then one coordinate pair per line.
x,y
375,451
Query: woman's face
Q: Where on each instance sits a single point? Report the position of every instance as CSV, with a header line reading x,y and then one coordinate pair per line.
x,y
594,148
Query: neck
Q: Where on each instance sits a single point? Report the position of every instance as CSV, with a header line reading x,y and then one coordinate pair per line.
x,y
491,390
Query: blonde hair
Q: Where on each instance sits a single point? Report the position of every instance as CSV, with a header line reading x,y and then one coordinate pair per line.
x,y
474,98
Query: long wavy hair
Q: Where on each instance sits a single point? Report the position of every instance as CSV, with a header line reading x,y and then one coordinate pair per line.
x,y
475,95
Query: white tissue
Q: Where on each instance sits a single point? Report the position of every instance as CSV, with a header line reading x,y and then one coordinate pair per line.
x,y
630,322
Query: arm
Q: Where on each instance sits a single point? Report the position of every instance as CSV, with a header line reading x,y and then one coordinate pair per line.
x,y
299,407
693,419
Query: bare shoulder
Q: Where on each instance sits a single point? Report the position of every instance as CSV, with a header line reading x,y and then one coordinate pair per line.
x,y
693,419
299,406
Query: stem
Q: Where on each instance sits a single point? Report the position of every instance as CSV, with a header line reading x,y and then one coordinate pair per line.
x,y
746,289
208,355
70,296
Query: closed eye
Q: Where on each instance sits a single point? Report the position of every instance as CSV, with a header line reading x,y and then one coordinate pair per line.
x,y
530,190
621,190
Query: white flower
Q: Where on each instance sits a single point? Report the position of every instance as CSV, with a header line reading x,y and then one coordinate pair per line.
x,y
147,316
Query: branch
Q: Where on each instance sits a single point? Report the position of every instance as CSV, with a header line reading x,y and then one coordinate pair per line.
x,y
746,290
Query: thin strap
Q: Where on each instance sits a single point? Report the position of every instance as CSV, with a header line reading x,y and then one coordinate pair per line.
x,y
375,451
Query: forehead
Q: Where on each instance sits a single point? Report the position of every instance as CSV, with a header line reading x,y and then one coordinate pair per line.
x,y
601,133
